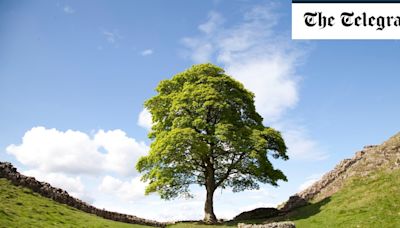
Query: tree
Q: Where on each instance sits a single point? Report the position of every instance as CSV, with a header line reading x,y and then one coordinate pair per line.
x,y
206,131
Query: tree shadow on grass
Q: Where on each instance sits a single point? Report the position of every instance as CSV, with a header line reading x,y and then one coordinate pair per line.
x,y
308,210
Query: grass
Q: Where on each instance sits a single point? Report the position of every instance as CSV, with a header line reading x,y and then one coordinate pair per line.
x,y
371,201
20,207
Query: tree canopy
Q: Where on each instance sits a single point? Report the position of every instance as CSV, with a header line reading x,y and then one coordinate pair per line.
x,y
206,131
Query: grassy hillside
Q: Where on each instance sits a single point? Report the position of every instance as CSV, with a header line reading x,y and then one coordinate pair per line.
x,y
20,207
371,201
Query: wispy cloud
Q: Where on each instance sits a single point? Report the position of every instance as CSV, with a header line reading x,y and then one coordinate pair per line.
x,y
215,20
301,145
112,37
147,52
68,10
252,52
309,181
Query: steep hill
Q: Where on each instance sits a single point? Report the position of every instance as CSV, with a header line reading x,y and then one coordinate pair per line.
x,y
369,201
363,191
372,159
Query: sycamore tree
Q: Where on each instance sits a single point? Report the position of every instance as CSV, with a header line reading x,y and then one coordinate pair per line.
x,y
206,131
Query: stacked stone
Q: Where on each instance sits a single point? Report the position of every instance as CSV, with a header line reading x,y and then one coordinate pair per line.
x,y
371,159
8,171
268,225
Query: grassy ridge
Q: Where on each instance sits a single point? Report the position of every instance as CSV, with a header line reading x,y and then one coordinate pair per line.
x,y
20,207
371,201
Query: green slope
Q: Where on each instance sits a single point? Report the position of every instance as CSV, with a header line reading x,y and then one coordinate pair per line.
x,y
20,207
371,201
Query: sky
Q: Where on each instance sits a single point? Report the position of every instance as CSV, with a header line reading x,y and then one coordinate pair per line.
x,y
74,76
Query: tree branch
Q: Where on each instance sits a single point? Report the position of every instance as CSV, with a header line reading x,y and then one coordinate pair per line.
x,y
231,167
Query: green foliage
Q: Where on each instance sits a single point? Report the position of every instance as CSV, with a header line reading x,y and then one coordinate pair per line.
x,y
206,131
20,207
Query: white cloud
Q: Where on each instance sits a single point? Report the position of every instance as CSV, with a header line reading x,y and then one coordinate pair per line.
x,y
68,9
125,190
214,21
74,152
271,81
201,50
309,181
301,146
147,52
145,119
73,185
112,37
152,207
260,194
187,210
50,150
122,151
252,52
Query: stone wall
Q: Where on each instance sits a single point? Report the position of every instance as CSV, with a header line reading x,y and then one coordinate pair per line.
x,y
259,213
302,198
268,225
8,171
371,159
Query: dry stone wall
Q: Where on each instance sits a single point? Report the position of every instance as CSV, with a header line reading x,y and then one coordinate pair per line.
x,y
268,225
371,159
8,171
258,213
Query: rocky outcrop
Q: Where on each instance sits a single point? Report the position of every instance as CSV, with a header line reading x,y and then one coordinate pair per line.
x,y
268,225
258,213
8,171
371,159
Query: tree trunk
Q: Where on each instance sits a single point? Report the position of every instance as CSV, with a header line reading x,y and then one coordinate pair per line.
x,y
209,216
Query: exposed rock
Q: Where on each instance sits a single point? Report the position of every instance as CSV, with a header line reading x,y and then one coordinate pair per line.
x,y
258,213
8,171
268,225
372,158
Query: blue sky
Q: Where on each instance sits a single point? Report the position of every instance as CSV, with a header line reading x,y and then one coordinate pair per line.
x,y
74,76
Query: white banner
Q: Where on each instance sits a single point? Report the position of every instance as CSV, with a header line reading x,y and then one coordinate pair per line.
x,y
345,20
